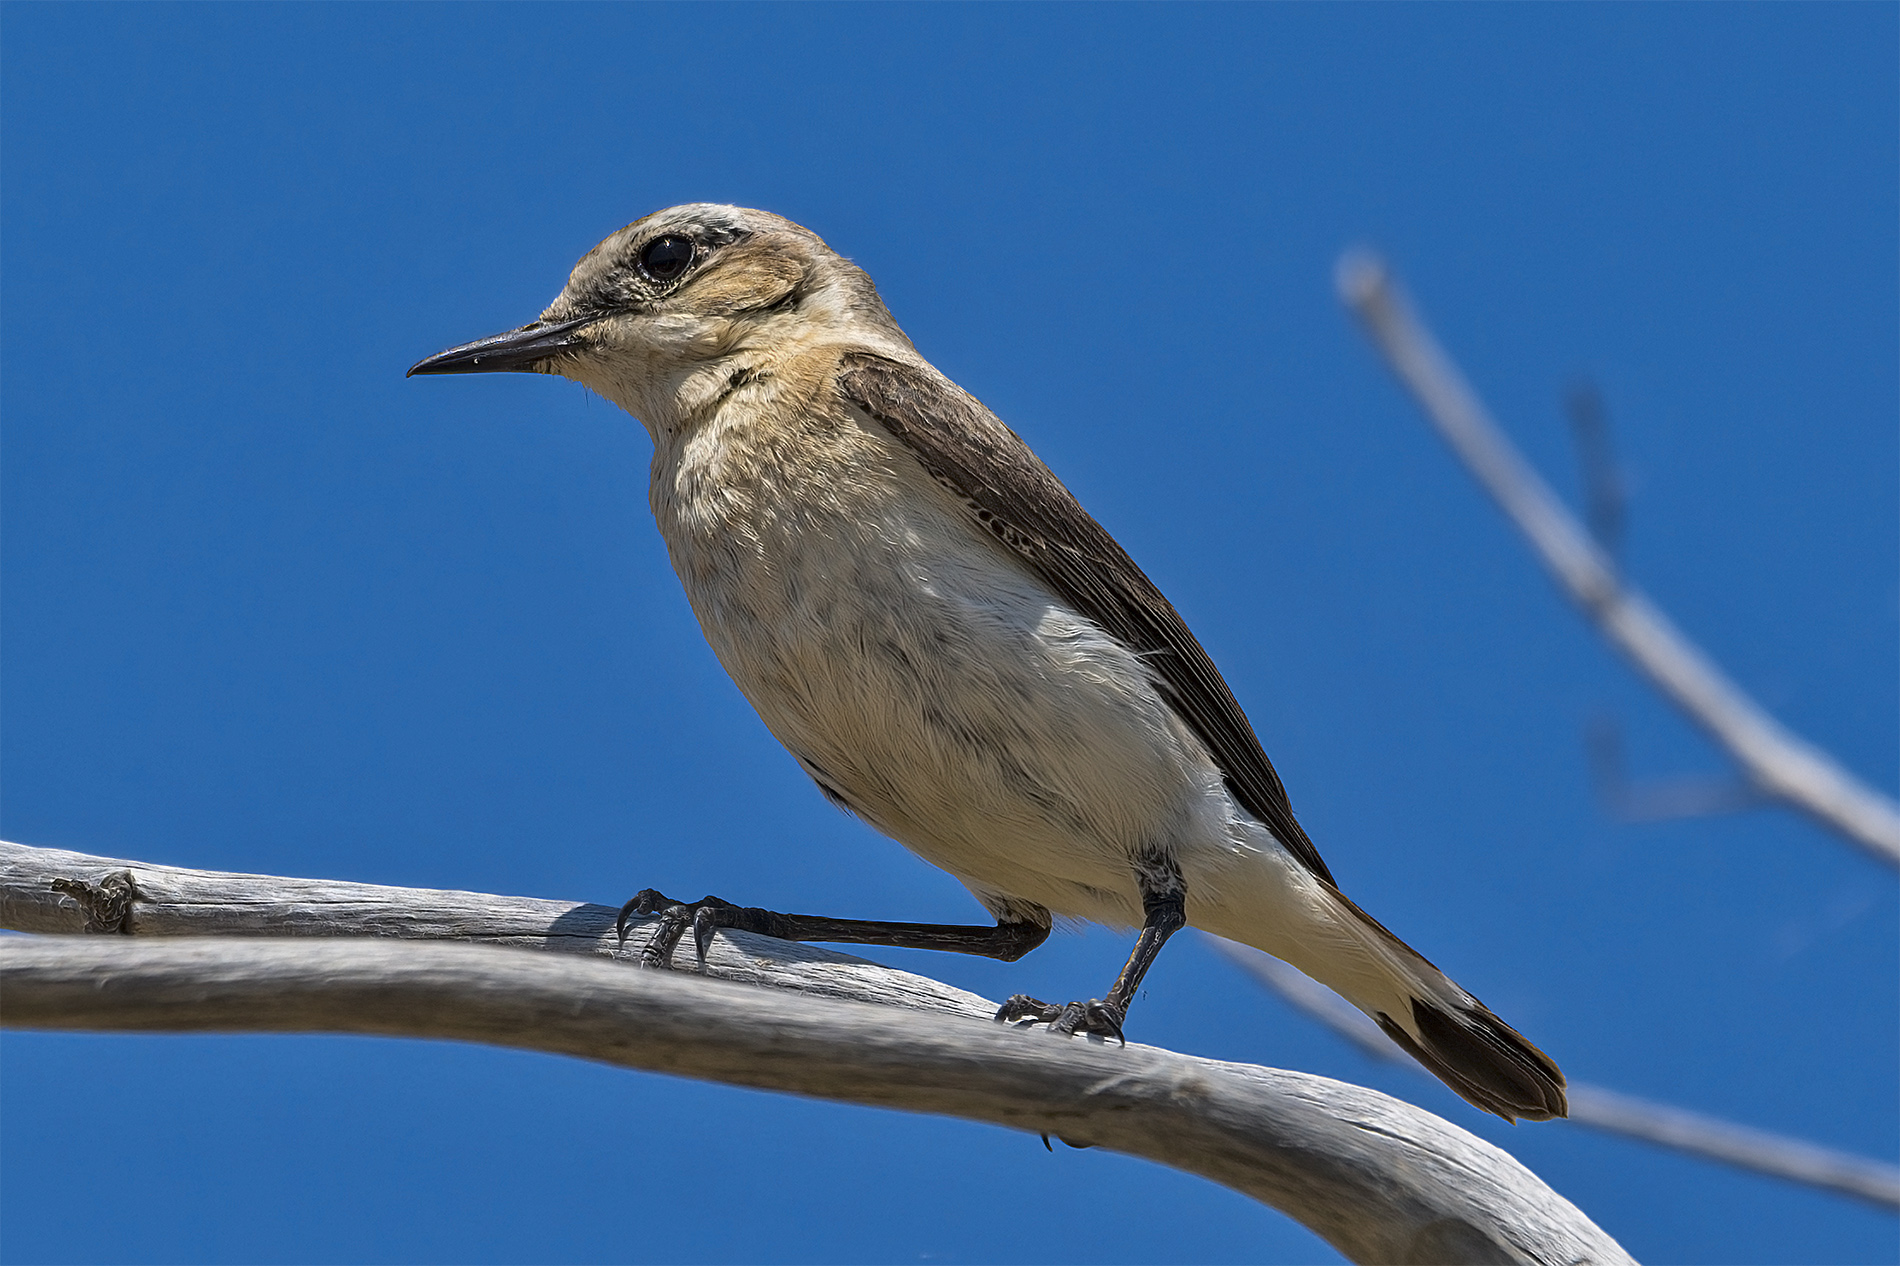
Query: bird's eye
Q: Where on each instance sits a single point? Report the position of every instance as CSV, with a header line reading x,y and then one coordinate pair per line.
x,y
665,258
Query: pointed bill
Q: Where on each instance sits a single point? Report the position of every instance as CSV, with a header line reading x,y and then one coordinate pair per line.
x,y
518,351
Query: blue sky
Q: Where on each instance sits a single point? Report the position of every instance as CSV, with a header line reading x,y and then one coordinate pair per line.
x,y
270,607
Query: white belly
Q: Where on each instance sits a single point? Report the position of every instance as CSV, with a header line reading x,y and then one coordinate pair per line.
x,y
939,688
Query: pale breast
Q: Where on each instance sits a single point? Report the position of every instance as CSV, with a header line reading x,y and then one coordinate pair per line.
x,y
914,667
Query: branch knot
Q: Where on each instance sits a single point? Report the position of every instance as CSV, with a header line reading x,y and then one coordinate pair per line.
x,y
107,902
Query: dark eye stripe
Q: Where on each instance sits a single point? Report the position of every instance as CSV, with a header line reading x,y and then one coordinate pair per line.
x,y
665,258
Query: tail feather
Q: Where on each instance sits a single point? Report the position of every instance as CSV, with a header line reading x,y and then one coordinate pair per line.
x,y
1485,1060
1437,1023
1489,1063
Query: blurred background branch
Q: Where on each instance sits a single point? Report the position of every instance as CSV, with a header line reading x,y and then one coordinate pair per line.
x,y
1657,799
1779,763
1708,1137
1606,512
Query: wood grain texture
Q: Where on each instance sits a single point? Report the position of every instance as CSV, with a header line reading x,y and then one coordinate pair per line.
x,y
1379,1179
52,890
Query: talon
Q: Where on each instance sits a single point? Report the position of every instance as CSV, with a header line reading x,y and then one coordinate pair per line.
x,y
705,919
1102,1017
1066,1142
1103,1020
643,904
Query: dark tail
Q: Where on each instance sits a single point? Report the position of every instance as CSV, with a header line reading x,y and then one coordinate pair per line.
x,y
1489,1063
1484,1059
1434,1021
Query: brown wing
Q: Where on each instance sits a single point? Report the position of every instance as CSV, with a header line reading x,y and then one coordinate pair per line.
x,y
965,447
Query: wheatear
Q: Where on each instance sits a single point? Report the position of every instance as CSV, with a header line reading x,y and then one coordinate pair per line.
x,y
950,646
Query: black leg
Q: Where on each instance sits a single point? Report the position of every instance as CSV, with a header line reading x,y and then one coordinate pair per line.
x,y
1164,911
1007,941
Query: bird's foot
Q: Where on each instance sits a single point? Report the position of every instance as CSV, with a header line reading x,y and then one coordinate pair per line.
x,y
1094,1016
702,916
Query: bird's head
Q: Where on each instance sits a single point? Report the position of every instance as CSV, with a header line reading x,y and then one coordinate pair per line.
x,y
664,310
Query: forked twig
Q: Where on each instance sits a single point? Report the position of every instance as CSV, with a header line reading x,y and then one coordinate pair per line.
x,y
1783,765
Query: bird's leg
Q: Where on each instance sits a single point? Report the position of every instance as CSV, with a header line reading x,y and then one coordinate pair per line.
x,y
1164,911
1008,940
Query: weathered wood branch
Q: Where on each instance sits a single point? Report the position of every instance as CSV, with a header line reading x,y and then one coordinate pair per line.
x,y
1778,762
52,890
1381,1180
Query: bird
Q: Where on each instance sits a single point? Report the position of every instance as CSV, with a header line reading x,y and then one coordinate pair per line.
x,y
951,647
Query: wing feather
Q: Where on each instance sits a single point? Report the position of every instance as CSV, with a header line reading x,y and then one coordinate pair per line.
x,y
1012,494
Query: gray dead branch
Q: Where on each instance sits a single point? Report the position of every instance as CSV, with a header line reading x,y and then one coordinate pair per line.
x,y
1782,765
1379,1179
1711,1138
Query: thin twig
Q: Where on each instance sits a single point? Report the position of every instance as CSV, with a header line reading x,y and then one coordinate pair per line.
x,y
1711,1138
1783,765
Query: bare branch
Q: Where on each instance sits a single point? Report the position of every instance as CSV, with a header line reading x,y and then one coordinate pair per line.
x,y
1783,765
1379,1179
51,890
1709,1137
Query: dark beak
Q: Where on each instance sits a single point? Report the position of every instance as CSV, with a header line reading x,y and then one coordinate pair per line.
x,y
518,351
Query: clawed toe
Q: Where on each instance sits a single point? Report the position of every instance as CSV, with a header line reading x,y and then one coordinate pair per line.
x,y
1080,1147
702,916
705,922
647,901
1103,1019
1023,1007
